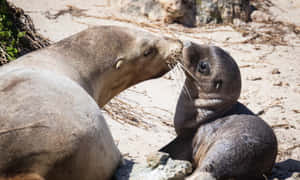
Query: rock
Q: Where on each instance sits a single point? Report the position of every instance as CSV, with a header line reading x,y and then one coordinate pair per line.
x,y
277,83
168,11
222,11
261,112
187,12
157,158
180,11
149,8
259,16
254,78
297,111
275,71
159,166
238,22
295,176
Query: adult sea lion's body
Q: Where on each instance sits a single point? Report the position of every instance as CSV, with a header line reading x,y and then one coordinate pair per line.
x,y
51,123
221,136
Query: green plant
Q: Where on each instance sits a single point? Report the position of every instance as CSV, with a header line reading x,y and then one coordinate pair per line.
x,y
10,35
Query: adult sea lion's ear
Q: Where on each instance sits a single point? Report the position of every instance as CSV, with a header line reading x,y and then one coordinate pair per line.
x,y
119,61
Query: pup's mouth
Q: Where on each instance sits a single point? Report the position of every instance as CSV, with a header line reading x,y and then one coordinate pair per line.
x,y
208,102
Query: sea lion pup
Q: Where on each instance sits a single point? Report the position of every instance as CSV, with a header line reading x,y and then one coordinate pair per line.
x,y
215,132
51,124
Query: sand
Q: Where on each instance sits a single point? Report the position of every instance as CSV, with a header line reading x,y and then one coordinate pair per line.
x,y
267,52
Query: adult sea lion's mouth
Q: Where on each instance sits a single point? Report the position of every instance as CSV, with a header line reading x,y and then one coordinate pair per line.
x,y
174,58
176,55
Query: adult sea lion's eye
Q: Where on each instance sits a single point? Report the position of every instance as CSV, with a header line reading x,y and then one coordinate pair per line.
x,y
149,51
203,67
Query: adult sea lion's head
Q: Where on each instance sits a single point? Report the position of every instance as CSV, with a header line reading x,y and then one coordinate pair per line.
x,y
113,58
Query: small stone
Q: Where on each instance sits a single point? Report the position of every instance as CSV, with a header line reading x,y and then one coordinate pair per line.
x,y
257,48
259,16
245,66
167,11
297,111
156,158
238,22
168,76
275,71
159,167
254,78
261,112
295,176
278,83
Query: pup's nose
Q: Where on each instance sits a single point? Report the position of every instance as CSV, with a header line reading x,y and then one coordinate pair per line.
x,y
187,43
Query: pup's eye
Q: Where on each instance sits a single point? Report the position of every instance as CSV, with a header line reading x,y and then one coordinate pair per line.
x,y
149,51
203,67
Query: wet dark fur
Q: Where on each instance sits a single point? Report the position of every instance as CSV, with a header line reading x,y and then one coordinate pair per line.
x,y
229,143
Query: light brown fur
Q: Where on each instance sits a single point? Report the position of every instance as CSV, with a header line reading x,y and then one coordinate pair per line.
x,y
59,89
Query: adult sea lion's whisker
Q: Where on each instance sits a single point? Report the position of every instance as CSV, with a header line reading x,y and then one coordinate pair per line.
x,y
181,72
190,73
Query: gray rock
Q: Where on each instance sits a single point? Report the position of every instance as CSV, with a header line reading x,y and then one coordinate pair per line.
x,y
187,12
259,16
222,11
168,11
148,8
159,166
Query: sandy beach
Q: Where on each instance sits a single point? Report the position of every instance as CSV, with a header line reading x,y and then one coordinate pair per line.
x,y
267,52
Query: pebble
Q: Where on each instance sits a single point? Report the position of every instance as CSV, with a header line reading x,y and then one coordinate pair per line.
x,y
159,166
259,16
278,83
275,71
254,78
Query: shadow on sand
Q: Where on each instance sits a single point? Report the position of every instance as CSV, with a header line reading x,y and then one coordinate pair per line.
x,y
123,172
286,169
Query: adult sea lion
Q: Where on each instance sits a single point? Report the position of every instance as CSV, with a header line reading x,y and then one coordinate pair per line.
x,y
222,138
51,124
